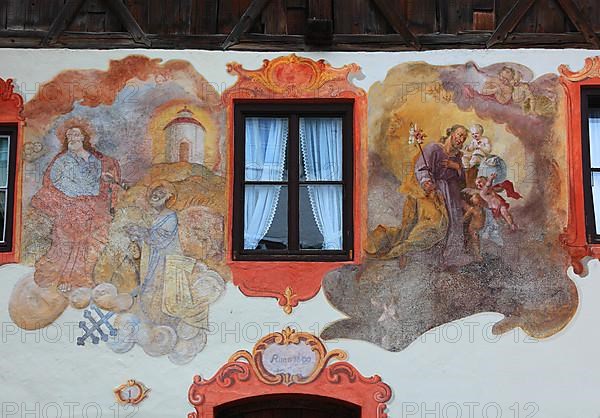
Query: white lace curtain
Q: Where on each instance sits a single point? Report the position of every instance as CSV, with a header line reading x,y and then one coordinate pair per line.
x,y
321,146
594,125
4,151
321,143
266,140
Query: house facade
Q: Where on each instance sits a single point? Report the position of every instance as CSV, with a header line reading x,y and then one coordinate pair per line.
x,y
298,208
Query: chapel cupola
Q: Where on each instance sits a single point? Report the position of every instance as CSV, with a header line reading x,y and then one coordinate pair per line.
x,y
184,137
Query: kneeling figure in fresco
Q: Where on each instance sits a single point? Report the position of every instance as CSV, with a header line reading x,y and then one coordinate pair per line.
x,y
167,292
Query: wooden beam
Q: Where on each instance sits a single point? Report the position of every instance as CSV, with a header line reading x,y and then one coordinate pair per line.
x,y
397,21
580,21
441,16
129,22
248,18
62,21
261,42
510,22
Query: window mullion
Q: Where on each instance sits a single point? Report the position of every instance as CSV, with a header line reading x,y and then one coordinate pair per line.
x,y
293,187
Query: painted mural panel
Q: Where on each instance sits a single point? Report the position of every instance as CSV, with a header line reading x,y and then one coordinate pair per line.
x,y
466,200
124,204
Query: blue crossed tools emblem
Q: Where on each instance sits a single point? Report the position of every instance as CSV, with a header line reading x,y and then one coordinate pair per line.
x,y
96,326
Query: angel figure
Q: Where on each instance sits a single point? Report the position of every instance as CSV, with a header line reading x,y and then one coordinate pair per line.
x,y
474,219
496,203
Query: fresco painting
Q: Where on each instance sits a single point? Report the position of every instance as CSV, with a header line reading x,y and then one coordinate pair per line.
x,y
124,204
465,206
124,207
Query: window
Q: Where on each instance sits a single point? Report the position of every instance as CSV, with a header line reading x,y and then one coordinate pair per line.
x,y
293,169
7,176
590,112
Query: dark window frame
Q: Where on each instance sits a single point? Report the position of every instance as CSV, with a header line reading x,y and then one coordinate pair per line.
x,y
293,110
6,246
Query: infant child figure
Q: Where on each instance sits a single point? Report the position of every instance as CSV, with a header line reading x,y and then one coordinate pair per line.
x,y
478,149
495,202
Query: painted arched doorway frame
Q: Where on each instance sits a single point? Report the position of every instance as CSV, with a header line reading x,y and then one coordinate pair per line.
x,y
246,375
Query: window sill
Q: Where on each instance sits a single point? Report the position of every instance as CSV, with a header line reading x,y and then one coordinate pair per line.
x,y
8,258
291,282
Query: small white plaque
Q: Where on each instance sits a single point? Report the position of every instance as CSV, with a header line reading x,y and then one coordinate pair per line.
x,y
294,359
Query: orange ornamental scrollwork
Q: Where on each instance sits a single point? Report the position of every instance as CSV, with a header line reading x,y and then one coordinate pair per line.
x,y
591,69
255,377
132,392
294,78
11,103
574,238
273,354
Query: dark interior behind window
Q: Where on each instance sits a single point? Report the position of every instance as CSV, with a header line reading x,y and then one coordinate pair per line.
x,y
8,154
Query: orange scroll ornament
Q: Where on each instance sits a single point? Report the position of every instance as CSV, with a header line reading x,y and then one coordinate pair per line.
x,y
239,380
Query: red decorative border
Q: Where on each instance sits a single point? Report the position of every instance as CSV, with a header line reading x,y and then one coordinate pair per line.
x,y
574,237
11,111
238,380
297,79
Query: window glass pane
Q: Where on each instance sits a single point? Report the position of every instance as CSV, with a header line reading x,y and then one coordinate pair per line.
x,y
321,221
265,150
4,151
594,125
265,217
596,199
2,214
321,149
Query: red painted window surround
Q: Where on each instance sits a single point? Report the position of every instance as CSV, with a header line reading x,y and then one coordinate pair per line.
x,y
294,79
11,114
574,238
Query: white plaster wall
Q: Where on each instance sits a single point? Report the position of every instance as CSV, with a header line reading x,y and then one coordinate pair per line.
x,y
457,370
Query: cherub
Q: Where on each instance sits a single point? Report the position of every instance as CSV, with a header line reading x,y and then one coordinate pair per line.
x,y
478,149
530,103
522,92
496,203
474,219
500,86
